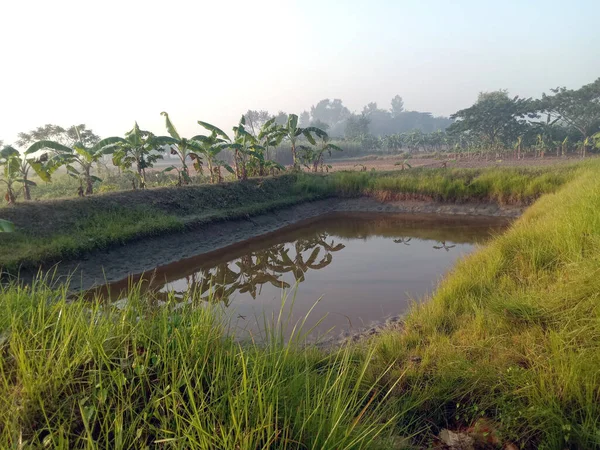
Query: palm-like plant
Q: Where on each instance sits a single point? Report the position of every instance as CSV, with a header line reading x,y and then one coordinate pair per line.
x,y
245,147
85,157
183,148
16,169
212,145
315,154
270,136
293,133
139,149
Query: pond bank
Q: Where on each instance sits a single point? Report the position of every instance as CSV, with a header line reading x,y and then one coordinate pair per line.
x,y
116,263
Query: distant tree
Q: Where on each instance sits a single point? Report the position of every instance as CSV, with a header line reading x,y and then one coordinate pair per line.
x,y
256,119
397,106
305,119
331,112
319,124
495,118
357,126
579,108
65,136
281,118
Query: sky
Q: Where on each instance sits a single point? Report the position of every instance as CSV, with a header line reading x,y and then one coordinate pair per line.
x,y
109,63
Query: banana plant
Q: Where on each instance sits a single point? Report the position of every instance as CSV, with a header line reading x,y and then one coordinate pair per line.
x,y
293,132
212,146
139,149
246,148
315,154
518,147
16,169
85,157
183,148
270,136
565,146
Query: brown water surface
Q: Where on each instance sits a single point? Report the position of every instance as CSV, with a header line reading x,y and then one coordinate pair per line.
x,y
359,269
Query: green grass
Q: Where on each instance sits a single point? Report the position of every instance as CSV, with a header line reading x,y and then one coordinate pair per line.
x,y
511,336
50,231
88,375
499,185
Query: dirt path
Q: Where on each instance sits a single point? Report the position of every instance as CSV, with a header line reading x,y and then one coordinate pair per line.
x,y
100,267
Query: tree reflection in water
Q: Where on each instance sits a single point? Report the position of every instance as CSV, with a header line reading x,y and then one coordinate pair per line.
x,y
250,272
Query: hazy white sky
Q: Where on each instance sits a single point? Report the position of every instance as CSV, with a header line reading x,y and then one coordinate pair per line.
x,y
108,63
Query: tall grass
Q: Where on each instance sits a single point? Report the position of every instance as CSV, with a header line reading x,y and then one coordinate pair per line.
x,y
90,375
513,334
499,185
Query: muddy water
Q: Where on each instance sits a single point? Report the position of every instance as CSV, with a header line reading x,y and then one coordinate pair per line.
x,y
352,269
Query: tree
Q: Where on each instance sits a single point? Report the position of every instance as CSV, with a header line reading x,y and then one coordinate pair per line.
x,y
183,148
86,157
140,149
281,118
397,106
256,119
495,118
293,132
331,112
65,136
16,170
305,119
357,126
578,108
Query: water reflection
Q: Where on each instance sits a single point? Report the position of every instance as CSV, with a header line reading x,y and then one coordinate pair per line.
x,y
350,262
250,272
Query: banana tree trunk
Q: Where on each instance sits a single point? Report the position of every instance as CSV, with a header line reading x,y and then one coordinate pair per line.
x,y
89,183
294,157
141,176
210,171
10,196
26,192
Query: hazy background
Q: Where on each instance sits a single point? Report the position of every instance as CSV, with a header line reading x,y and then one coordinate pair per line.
x,y
108,63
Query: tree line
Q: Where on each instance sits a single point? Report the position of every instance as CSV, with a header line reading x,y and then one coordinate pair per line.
x,y
79,151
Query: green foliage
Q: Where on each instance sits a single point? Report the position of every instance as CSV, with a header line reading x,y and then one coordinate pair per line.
x,y
6,226
183,148
494,118
95,375
139,149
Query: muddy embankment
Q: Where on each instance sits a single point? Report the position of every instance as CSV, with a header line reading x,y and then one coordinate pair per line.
x,y
116,263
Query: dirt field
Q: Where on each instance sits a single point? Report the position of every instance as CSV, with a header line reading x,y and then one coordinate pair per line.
x,y
389,163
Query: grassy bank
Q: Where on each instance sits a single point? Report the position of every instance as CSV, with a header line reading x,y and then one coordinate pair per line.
x,y
49,231
509,345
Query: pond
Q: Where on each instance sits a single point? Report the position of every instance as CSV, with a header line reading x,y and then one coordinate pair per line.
x,y
352,270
